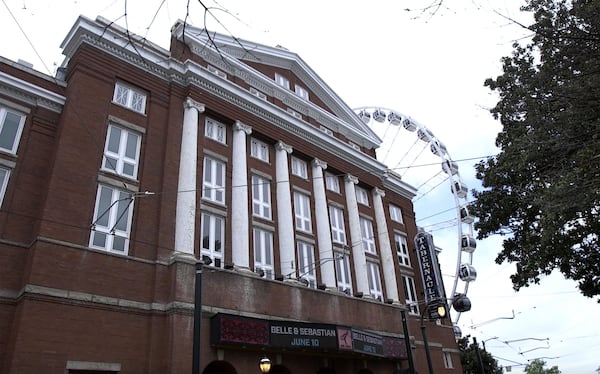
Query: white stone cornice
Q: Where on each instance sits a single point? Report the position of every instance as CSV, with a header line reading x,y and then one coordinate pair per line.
x,y
239,126
320,163
351,178
281,146
30,93
191,103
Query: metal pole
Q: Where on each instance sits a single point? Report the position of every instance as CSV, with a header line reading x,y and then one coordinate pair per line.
x,y
197,319
425,342
481,369
411,364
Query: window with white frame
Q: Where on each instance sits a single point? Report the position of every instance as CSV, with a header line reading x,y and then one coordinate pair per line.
x,y
112,219
410,294
299,168
338,228
259,150
130,97
302,211
215,130
4,175
261,197
302,92
448,360
258,94
213,238
122,151
11,127
396,213
216,71
374,280
332,182
282,81
362,197
342,273
368,239
213,180
306,263
263,252
402,249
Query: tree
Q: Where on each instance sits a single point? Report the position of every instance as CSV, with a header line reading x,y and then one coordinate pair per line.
x,y
470,361
542,191
537,367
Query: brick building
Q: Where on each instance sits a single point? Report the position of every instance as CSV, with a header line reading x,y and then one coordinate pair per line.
x,y
134,161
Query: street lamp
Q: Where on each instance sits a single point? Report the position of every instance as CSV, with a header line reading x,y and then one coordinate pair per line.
x,y
198,313
435,309
264,364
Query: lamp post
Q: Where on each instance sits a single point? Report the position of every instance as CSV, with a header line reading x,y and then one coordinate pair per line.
x,y
440,311
264,364
198,313
411,364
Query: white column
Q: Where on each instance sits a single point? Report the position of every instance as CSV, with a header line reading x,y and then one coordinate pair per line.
x,y
385,247
285,219
240,245
323,225
185,215
358,253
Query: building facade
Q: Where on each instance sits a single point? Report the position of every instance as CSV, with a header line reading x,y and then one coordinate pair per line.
x,y
134,164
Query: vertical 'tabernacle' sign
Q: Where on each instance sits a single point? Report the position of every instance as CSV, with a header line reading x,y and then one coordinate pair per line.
x,y
430,270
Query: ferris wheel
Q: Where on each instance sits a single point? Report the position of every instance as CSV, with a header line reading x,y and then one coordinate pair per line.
x,y
413,152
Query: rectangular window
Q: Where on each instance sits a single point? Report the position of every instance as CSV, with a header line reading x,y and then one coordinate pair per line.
x,y
362,197
338,229
410,294
302,92
342,273
299,168
112,219
213,181
396,213
402,249
213,238
11,127
448,360
282,81
4,175
121,151
332,182
302,210
257,93
306,264
368,239
215,130
374,281
130,97
259,150
261,197
216,71
263,252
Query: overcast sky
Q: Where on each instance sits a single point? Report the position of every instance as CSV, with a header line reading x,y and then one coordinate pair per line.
x,y
376,53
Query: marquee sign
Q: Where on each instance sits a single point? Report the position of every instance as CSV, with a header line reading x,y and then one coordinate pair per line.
x,y
430,270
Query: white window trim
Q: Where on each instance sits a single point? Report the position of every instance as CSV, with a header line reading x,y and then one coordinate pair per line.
x,y
362,197
259,150
410,294
302,212
343,274
368,235
396,213
302,92
4,182
338,227
263,252
282,81
214,220
215,130
261,197
374,277
17,139
113,217
306,263
121,158
130,95
332,182
448,360
299,168
212,189
402,249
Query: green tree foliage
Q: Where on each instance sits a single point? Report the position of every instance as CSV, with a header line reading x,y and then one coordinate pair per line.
x,y
537,367
470,361
542,191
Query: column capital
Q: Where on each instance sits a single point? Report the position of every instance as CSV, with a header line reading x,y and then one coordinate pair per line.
x,y
191,103
378,192
281,146
239,126
351,178
320,163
